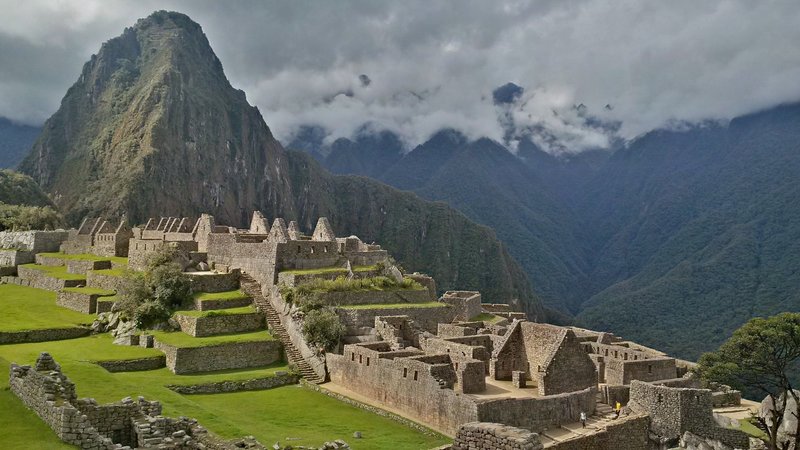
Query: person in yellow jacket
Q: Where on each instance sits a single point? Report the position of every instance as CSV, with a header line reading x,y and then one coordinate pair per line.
x,y
617,409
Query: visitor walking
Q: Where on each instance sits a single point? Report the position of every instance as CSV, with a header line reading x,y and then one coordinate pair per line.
x,y
617,409
583,419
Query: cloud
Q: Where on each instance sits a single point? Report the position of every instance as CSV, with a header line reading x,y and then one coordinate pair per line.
x,y
435,64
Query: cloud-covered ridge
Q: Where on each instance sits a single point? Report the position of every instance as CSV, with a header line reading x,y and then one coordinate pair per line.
x,y
432,65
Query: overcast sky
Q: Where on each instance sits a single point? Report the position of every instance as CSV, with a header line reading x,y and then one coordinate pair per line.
x,y
433,64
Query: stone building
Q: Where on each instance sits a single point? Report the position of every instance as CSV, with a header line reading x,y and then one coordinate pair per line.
x,y
100,237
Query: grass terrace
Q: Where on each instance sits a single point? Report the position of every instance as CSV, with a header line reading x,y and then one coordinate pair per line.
x,y
486,317
183,340
342,284
26,308
227,295
112,272
327,270
396,305
218,312
59,272
90,291
87,257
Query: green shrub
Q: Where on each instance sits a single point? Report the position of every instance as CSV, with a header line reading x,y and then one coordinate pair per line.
x,y
323,328
150,298
23,218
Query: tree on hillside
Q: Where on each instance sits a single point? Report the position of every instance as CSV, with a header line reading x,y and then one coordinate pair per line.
x,y
759,357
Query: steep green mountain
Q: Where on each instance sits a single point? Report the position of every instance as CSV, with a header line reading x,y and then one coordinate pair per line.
x,y
15,142
153,127
674,240
697,231
19,189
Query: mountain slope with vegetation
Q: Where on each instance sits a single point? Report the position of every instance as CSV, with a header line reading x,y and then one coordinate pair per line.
x,y
153,127
673,241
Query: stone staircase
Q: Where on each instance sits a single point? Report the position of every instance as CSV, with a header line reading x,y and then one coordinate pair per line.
x,y
603,415
252,288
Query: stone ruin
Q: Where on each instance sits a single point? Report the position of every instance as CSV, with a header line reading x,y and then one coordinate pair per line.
x,y
126,424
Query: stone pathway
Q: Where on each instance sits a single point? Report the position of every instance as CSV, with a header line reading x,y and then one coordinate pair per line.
x,y
603,415
252,288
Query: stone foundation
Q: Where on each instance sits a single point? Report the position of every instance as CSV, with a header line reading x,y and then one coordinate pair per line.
x,y
427,319
235,355
256,384
486,435
134,365
102,281
214,282
52,334
220,324
81,267
40,280
78,301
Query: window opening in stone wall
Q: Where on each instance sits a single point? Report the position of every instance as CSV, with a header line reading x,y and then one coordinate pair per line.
x,y
649,369
325,249
360,359
368,360
456,366
312,249
352,356
660,398
625,356
415,375
405,372
298,249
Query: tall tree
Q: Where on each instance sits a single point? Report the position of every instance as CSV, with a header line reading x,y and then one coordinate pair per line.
x,y
759,357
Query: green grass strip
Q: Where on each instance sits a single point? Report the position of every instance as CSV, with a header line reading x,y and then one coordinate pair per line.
x,y
218,312
90,291
183,340
59,272
227,295
86,257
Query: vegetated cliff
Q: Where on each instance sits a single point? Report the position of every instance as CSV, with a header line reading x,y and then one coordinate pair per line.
x,y
19,189
153,127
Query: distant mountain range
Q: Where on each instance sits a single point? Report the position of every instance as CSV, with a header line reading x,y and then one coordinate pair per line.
x,y
674,240
15,142
153,127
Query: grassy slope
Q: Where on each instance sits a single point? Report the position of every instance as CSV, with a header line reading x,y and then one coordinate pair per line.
x,y
183,340
87,257
218,312
26,308
59,272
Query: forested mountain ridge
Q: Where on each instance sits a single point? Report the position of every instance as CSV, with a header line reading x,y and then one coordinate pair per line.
x,y
674,240
153,127
15,142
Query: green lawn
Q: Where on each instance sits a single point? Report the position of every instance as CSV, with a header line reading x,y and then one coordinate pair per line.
x,y
218,312
396,305
183,340
59,272
22,428
308,418
227,295
90,291
112,272
87,257
26,308
486,317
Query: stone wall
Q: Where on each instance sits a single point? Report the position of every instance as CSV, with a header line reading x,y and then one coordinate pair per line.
x,y
255,384
618,371
372,297
32,241
538,413
15,257
420,386
215,282
467,303
208,305
139,250
82,266
487,435
425,318
51,334
134,365
625,433
461,352
41,280
673,411
235,355
220,324
102,281
78,301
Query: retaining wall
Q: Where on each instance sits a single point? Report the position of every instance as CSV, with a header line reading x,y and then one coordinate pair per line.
x,y
40,280
134,365
52,334
236,355
220,324
426,318
539,413
11,257
102,281
214,282
255,384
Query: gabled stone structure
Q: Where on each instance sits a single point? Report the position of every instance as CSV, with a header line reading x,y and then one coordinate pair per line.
x,y
100,237
552,357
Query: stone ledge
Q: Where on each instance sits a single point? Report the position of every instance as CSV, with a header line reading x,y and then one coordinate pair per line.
x,y
255,384
134,365
51,334
233,355
220,324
